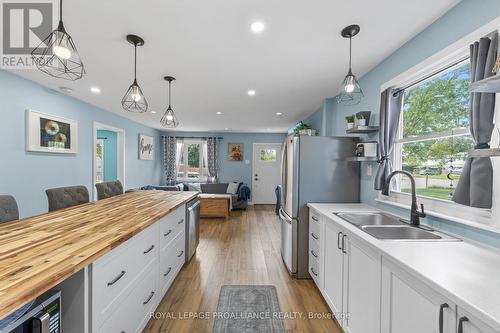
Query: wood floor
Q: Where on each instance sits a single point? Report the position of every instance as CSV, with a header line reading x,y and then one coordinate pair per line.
x,y
243,249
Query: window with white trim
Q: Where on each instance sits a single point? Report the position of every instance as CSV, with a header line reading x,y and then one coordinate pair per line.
x,y
434,138
192,160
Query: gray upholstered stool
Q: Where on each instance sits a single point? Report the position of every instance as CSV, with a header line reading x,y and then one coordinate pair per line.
x,y
108,189
8,209
63,197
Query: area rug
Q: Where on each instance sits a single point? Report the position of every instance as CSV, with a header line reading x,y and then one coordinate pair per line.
x,y
248,309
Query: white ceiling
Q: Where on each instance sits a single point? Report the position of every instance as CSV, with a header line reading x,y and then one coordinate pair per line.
x,y
207,45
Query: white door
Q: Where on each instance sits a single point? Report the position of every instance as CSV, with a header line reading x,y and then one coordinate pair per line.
x,y
362,295
334,268
266,172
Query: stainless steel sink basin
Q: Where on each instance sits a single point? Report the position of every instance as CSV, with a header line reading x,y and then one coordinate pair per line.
x,y
399,232
361,219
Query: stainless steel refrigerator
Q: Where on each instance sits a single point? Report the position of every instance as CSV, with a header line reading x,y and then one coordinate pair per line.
x,y
314,169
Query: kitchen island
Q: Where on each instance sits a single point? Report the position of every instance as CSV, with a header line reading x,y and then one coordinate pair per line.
x,y
40,252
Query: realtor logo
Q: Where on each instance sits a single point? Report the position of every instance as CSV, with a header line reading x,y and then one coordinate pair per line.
x,y
25,24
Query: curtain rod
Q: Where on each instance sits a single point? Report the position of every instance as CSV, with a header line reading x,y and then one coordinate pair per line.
x,y
455,63
192,137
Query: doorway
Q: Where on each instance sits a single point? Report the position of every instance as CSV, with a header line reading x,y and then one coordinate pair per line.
x,y
109,155
266,172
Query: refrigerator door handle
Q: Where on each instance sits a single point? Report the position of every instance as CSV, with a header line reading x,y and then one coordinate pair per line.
x,y
283,173
284,217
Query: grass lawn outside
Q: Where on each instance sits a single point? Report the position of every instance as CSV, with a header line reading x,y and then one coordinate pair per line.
x,y
432,192
454,177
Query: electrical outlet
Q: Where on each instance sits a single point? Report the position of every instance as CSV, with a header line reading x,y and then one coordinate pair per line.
x,y
369,170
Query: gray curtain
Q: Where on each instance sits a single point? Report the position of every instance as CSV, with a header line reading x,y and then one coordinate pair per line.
x,y
475,185
390,111
169,159
212,159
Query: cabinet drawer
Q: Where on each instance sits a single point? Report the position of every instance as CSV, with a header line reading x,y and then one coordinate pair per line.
x,y
314,248
314,227
133,313
114,274
314,269
171,261
171,225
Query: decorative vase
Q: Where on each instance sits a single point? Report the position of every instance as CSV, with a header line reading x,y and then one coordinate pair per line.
x,y
350,125
362,122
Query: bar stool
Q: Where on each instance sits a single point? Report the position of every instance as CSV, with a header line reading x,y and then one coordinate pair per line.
x,y
8,209
63,197
108,189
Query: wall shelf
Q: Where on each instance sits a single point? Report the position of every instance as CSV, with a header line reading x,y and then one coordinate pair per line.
x,y
362,130
488,85
361,159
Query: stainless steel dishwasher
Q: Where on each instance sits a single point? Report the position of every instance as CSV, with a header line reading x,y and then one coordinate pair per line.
x,y
192,227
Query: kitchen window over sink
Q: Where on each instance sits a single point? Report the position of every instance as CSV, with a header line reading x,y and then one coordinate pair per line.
x,y
434,138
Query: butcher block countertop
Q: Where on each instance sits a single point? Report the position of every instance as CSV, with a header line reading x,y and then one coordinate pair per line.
x,y
39,252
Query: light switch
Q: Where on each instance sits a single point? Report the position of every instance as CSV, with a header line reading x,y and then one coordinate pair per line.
x,y
369,170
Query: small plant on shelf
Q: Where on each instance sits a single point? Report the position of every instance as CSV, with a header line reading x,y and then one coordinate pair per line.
x,y
350,122
304,129
361,119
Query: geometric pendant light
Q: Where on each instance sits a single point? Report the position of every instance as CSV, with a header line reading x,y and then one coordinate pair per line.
x,y
169,118
350,92
57,56
134,100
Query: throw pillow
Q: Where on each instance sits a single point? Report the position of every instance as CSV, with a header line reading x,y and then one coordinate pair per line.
x,y
194,187
232,188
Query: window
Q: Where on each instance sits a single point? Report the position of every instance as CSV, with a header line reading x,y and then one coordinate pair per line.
x,y
192,161
434,137
268,155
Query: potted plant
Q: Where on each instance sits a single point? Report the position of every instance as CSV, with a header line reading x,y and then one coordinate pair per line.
x,y
350,121
361,119
304,129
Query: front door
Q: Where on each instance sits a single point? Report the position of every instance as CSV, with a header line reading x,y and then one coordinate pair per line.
x,y
266,172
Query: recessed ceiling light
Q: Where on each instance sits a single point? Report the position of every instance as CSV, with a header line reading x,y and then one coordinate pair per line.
x,y
153,112
279,113
67,90
251,93
225,129
218,112
257,27
95,90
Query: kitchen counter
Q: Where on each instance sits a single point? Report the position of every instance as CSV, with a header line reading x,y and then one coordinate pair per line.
x,y
466,273
38,253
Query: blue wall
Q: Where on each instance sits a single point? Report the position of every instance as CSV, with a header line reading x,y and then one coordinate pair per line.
x,y
110,155
230,170
26,175
461,20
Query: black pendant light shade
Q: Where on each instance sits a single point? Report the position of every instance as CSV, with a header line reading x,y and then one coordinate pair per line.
x,y
134,100
350,92
169,118
57,55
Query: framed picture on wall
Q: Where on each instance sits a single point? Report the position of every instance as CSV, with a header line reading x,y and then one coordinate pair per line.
x,y
146,147
50,134
235,151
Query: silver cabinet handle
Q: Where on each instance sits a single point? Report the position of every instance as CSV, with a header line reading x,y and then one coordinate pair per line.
x,y
180,254
343,243
168,271
115,280
314,254
314,236
149,250
149,298
181,221
441,309
338,240
167,233
461,324
312,270
315,218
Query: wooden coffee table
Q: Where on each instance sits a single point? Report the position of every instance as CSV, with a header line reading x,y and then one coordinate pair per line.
x,y
215,205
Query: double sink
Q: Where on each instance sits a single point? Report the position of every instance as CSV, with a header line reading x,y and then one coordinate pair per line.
x,y
390,227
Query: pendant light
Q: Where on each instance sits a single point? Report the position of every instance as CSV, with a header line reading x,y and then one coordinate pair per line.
x,y
134,100
350,93
169,119
57,56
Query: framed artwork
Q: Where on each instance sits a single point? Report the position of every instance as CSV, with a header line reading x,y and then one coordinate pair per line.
x,y
146,147
235,151
50,134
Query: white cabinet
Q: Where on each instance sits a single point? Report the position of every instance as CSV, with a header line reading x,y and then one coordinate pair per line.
x,y
333,275
467,323
362,269
315,253
409,306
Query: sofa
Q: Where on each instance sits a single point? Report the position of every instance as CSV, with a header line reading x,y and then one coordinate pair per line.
x,y
239,200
